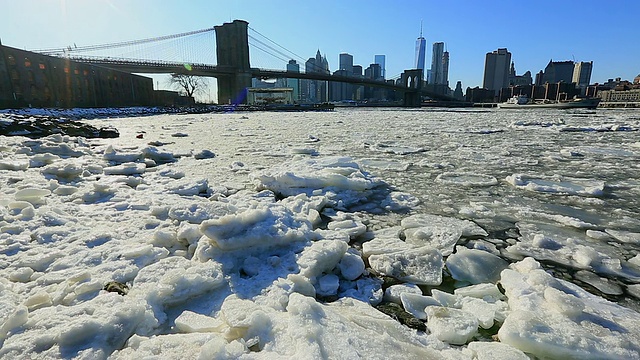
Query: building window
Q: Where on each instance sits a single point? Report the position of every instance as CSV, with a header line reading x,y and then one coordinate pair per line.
x,y
31,77
76,71
12,60
27,62
42,66
15,75
66,69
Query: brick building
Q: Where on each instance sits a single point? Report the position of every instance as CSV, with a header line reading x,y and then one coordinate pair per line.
x,y
33,79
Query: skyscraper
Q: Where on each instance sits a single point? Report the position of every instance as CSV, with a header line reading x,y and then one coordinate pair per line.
x,y
421,47
346,62
316,90
445,68
437,63
496,70
582,75
293,66
557,71
380,60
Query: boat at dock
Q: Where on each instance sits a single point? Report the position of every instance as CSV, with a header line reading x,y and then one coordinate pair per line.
x,y
523,102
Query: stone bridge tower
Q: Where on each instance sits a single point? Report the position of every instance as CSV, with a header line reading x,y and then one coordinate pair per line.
x,y
412,80
232,50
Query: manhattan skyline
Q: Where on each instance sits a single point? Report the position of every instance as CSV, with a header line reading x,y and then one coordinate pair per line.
x,y
584,31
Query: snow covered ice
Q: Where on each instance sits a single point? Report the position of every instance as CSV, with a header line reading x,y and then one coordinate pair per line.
x,y
497,235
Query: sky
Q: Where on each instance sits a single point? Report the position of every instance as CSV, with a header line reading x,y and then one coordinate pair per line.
x,y
535,32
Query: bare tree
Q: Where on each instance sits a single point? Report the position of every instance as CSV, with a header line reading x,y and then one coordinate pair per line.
x,y
188,84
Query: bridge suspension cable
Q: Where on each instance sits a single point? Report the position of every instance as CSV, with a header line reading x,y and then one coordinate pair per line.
x,y
89,48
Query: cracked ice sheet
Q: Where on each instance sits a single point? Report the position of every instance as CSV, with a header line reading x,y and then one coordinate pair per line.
x,y
556,319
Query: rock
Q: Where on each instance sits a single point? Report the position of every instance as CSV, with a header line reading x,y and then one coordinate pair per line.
x,y
117,287
395,311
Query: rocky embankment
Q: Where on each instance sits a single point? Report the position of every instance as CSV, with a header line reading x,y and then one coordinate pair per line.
x,y
37,126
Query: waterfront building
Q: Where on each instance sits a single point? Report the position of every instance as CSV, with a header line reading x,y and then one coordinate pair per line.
x,y
582,75
479,95
381,60
622,98
33,79
539,77
294,84
557,71
269,96
496,70
519,80
421,48
373,72
457,93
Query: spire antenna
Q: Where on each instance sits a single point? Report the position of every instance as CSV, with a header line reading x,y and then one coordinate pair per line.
x,y
420,27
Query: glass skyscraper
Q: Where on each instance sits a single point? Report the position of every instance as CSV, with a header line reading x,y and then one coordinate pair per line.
x,y
380,60
421,51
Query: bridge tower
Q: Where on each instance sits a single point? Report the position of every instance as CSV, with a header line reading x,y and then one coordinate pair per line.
x,y
412,80
232,49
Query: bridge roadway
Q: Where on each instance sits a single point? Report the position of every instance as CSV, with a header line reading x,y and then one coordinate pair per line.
x,y
162,67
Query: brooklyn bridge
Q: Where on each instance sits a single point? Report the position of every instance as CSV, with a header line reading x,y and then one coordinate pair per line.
x,y
237,55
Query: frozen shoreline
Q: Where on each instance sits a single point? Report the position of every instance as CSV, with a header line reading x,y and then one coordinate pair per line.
x,y
228,228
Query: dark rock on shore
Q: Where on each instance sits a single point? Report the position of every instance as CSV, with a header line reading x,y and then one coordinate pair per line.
x,y
397,312
35,126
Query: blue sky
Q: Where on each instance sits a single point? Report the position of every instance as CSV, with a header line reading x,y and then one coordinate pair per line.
x,y
605,32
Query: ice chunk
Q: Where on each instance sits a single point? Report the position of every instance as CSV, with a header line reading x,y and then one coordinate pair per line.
x,y
190,321
384,245
558,185
416,304
14,165
552,318
475,266
125,169
321,256
393,292
351,265
339,175
451,325
175,279
604,285
480,291
465,179
495,351
417,265
351,227
32,195
466,227
366,289
172,346
327,285
442,239
267,226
